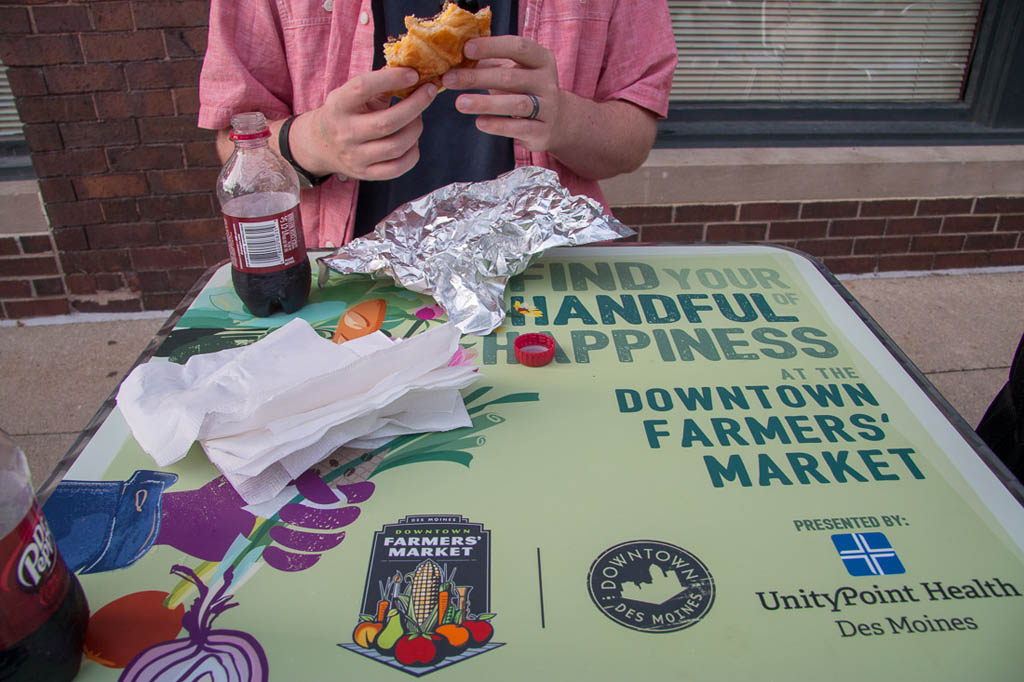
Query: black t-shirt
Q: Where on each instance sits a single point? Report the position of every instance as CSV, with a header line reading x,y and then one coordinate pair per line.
x,y
451,148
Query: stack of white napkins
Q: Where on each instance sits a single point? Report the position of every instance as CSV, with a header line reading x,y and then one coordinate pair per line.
x,y
266,412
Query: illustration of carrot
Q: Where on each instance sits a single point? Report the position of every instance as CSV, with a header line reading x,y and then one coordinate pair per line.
x,y
442,605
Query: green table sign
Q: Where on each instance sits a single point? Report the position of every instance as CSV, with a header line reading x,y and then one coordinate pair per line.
x,y
725,473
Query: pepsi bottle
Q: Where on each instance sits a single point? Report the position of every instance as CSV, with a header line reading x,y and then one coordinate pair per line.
x,y
43,611
259,198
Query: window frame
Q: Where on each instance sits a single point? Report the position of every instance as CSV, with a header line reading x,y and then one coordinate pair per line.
x,y
991,110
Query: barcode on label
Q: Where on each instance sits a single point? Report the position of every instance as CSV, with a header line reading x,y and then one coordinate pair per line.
x,y
261,242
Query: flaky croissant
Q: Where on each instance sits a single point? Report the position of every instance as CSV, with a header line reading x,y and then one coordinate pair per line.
x,y
433,46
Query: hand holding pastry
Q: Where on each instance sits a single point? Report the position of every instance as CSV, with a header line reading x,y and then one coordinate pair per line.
x,y
524,100
357,134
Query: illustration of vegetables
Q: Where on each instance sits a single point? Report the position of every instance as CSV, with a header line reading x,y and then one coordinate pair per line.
x,y
450,628
480,631
442,605
206,654
366,632
119,630
359,320
419,649
424,626
393,631
425,584
446,610
456,636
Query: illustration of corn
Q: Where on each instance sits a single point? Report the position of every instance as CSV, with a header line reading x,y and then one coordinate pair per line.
x,y
426,583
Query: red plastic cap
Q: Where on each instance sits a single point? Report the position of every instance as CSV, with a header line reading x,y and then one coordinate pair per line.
x,y
534,350
249,136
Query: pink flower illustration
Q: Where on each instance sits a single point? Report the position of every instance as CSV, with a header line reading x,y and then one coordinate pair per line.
x,y
430,312
462,357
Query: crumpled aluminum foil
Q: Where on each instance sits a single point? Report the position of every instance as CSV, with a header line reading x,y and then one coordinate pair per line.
x,y
462,242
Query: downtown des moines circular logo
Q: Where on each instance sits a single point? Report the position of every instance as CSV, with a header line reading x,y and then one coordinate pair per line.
x,y
651,586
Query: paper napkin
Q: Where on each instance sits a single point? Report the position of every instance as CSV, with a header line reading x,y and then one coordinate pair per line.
x,y
266,412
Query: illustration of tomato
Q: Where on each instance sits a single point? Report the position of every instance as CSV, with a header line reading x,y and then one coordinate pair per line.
x,y
480,631
419,650
121,629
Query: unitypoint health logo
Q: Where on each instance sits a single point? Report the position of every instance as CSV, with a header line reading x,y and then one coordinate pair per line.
x,y
867,554
651,586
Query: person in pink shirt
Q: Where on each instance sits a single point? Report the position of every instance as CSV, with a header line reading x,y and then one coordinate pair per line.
x,y
576,86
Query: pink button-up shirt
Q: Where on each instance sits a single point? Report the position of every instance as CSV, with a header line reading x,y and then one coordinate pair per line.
x,y
283,57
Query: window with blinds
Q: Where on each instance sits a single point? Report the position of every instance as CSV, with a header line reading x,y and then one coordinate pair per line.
x,y
799,50
10,124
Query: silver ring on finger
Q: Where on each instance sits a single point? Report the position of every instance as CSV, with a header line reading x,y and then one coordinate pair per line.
x,y
536,108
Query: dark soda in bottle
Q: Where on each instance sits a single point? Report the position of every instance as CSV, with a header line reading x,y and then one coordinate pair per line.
x,y
43,611
259,198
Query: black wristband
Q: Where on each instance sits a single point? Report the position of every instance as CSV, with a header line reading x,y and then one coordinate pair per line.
x,y
306,179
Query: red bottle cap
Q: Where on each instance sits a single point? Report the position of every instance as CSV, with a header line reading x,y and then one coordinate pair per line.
x,y
534,350
249,136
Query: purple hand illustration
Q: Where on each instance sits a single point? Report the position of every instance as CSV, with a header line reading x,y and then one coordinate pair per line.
x,y
204,522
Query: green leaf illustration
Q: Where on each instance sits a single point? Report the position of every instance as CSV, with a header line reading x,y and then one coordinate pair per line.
x,y
510,398
476,394
456,456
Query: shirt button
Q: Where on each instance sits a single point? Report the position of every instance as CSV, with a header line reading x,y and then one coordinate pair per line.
x,y
364,18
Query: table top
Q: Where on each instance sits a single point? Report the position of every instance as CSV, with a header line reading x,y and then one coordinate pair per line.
x,y
727,472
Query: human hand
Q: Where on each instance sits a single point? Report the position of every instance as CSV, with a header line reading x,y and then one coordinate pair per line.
x,y
357,134
511,69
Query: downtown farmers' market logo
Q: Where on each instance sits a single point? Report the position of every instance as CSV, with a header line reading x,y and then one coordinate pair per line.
x,y
426,604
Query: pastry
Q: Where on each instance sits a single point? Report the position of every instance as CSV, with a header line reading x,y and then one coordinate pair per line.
x,y
433,46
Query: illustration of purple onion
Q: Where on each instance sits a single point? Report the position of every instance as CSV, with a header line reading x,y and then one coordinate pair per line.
x,y
206,654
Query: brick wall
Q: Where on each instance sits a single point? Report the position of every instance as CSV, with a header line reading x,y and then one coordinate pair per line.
x,y
107,92
857,236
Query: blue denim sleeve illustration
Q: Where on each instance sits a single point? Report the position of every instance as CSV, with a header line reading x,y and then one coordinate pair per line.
x,y
103,525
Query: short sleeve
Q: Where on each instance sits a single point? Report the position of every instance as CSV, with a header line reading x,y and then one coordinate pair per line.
x,y
245,67
640,55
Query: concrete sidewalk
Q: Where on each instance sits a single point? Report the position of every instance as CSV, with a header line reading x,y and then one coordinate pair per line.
x,y
959,329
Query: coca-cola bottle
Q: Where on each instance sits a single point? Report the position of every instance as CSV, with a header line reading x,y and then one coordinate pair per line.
x,y
43,611
259,198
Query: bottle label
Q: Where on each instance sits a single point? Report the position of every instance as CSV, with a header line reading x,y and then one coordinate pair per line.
x,y
265,244
33,578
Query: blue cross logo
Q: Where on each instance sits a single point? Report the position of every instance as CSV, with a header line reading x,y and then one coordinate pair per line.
x,y
867,554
